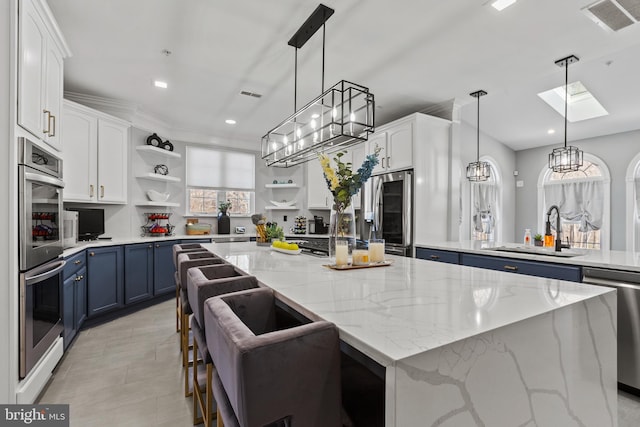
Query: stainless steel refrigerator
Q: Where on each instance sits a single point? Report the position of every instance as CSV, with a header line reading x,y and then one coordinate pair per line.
x,y
387,209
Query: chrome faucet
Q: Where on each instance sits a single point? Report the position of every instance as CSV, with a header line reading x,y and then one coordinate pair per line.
x,y
559,244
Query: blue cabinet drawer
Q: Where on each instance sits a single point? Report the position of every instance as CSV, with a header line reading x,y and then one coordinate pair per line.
x,y
74,263
438,255
532,268
195,241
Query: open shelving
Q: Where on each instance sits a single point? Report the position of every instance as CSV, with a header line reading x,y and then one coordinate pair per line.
x,y
158,177
158,151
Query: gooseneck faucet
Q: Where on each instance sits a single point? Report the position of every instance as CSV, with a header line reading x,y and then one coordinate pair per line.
x,y
558,229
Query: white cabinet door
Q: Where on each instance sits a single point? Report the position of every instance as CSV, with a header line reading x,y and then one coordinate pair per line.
x,y
32,47
80,135
399,147
318,194
113,140
378,139
53,96
358,154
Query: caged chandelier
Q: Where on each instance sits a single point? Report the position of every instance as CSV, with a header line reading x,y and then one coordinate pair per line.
x,y
478,171
340,116
565,159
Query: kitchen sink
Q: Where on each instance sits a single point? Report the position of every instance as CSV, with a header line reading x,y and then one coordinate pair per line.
x,y
535,250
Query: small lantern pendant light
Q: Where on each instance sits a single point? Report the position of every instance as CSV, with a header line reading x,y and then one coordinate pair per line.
x,y
565,159
478,171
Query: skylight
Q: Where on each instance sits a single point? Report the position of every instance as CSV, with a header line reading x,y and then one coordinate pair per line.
x,y
502,4
581,105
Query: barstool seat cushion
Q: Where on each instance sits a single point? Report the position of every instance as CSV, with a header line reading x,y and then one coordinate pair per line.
x,y
269,375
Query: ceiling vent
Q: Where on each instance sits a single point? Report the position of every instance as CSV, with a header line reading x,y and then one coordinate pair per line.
x,y
614,15
255,95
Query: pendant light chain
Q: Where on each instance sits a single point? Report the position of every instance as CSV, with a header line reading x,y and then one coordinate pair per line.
x,y
478,133
566,98
323,43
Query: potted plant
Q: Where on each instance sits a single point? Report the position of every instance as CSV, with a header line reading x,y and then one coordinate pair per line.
x,y
224,222
537,239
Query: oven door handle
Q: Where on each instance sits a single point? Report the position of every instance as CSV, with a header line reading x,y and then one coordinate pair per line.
x,y
30,176
42,273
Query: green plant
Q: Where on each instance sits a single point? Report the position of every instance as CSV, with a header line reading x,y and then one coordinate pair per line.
x,y
537,237
224,207
274,232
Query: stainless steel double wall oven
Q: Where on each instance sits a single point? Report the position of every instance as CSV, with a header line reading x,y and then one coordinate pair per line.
x,y
40,245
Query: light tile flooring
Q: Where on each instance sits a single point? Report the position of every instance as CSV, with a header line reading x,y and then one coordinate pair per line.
x,y
127,373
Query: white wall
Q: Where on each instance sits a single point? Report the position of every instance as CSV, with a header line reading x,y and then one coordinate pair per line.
x,y
8,207
505,159
615,150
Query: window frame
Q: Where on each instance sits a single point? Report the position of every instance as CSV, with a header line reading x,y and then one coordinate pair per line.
x,y
605,230
224,191
632,221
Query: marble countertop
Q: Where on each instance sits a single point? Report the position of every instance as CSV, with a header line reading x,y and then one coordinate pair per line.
x,y
395,312
620,260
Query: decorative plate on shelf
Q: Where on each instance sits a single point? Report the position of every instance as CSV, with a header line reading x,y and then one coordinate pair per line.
x,y
283,203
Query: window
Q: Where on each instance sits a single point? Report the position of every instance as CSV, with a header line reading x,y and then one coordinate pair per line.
x,y
582,197
215,176
485,207
633,204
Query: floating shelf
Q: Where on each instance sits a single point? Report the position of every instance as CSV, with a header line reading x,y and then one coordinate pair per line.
x,y
281,208
167,204
293,185
158,151
157,177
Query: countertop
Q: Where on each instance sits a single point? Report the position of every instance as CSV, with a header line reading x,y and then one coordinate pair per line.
x,y
133,240
413,306
619,260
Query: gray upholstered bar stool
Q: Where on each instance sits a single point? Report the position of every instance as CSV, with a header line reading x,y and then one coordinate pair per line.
x,y
186,261
177,250
202,284
265,375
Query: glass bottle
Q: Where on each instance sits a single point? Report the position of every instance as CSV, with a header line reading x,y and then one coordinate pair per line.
x,y
527,237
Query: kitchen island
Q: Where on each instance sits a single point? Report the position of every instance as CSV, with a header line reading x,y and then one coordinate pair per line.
x,y
458,345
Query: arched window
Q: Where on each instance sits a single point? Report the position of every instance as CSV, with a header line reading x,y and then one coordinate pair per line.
x,y
485,209
633,205
583,198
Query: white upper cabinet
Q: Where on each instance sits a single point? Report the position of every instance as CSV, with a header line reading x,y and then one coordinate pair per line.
x,y
395,141
318,194
95,156
40,72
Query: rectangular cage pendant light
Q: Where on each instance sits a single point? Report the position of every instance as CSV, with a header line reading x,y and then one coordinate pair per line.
x,y
478,171
339,117
565,159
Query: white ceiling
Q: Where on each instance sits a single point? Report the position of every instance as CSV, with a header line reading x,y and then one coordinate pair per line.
x,y
412,54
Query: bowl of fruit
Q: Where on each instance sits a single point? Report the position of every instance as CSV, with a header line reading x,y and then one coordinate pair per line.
x,y
289,248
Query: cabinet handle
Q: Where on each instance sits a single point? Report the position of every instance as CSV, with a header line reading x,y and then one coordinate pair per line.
x,y
157,246
435,257
92,253
76,262
91,190
383,163
150,246
511,267
48,129
53,133
102,191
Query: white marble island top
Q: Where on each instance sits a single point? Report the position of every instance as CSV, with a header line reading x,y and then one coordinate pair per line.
x,y
396,312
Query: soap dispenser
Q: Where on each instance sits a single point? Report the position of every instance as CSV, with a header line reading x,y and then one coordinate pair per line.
x,y
548,237
527,237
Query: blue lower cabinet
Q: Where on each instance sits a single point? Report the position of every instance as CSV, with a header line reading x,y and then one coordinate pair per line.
x,y
195,241
68,309
571,273
138,272
105,283
81,298
438,255
163,269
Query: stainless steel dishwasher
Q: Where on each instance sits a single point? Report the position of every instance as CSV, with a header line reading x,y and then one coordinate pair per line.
x,y
628,286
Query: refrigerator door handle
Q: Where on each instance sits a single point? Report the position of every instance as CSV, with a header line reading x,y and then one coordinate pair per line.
x,y
377,209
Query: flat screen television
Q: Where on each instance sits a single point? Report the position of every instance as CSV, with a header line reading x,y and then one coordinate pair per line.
x,y
90,223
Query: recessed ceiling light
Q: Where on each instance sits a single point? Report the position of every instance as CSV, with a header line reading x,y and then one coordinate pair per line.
x,y
581,105
551,131
502,4
160,84
230,122
315,115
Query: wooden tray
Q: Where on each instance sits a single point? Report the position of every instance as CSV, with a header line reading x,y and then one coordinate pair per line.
x,y
355,267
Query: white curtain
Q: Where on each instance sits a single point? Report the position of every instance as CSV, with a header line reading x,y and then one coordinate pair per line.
x,y
484,206
220,169
581,201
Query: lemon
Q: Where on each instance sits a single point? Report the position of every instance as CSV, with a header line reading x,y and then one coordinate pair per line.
x,y
294,247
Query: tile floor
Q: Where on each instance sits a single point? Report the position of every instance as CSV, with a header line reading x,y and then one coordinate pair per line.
x,y
127,373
